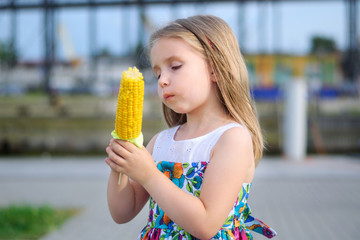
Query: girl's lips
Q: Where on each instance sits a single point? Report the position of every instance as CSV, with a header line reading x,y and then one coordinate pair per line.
x,y
167,96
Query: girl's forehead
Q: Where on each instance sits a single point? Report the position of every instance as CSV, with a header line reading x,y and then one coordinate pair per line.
x,y
169,41
167,46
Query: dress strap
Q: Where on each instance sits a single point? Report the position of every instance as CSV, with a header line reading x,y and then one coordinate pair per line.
x,y
217,133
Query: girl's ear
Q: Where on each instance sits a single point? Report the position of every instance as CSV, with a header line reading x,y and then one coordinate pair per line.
x,y
212,74
213,77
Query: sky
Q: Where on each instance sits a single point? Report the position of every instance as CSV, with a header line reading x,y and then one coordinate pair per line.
x,y
287,27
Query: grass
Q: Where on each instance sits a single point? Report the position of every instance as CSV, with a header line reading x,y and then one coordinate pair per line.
x,y
31,222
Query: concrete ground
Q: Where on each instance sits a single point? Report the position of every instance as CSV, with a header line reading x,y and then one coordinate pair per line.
x,y
318,198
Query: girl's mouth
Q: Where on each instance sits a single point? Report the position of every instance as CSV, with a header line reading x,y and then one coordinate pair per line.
x,y
167,96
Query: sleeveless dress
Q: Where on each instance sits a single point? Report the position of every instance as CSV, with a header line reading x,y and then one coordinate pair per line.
x,y
184,163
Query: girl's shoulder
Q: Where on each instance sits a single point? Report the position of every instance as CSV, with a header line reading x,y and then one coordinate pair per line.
x,y
151,144
235,150
236,138
234,134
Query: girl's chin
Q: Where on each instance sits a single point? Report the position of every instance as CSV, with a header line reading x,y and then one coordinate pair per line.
x,y
177,110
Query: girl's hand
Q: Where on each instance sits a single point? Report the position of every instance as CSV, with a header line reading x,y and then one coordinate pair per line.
x,y
126,158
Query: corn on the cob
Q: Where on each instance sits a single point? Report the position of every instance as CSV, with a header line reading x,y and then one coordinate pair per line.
x,y
129,108
130,105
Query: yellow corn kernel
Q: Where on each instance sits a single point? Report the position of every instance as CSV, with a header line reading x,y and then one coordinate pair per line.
x,y
130,105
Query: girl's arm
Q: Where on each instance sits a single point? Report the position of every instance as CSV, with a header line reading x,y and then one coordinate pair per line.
x,y
126,200
231,164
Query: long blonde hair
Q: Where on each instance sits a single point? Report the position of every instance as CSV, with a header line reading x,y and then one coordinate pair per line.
x,y
214,38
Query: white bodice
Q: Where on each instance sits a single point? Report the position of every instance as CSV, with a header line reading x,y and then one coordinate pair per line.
x,y
190,150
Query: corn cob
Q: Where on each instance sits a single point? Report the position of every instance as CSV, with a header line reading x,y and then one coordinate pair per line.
x,y
129,108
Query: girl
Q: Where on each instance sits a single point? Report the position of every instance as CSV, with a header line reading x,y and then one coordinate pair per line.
x,y
197,173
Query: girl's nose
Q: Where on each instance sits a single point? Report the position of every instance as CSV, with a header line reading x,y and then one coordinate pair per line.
x,y
163,81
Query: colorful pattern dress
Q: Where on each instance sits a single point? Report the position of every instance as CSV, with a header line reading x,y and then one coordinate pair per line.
x,y
184,163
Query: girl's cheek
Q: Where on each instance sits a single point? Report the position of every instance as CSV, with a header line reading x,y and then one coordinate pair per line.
x,y
159,91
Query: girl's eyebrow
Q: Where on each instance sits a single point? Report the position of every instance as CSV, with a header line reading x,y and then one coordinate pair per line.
x,y
168,59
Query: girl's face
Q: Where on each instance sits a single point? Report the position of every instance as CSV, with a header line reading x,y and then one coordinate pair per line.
x,y
185,82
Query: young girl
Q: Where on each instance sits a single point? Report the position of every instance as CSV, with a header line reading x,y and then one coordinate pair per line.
x,y
198,172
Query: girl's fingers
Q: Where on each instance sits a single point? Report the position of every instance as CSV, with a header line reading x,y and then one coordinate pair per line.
x,y
130,147
121,148
113,165
113,157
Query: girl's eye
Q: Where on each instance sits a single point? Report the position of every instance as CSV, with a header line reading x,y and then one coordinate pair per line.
x,y
176,67
158,77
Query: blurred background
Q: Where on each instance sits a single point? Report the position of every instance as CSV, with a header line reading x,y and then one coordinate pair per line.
x,y
61,64
60,69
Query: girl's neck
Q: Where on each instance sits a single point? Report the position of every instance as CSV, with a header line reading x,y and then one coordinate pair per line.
x,y
198,125
204,119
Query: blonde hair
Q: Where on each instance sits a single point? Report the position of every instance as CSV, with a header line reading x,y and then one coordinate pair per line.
x,y
214,38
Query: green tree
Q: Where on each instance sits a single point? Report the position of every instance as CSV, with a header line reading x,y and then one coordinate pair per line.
x,y
8,54
105,52
322,45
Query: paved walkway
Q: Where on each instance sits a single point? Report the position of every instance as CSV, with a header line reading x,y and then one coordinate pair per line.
x,y
316,199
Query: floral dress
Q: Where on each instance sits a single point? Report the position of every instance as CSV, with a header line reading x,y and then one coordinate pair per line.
x,y
184,163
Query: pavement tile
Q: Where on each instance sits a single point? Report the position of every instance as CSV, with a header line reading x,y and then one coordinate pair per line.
x,y
314,199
